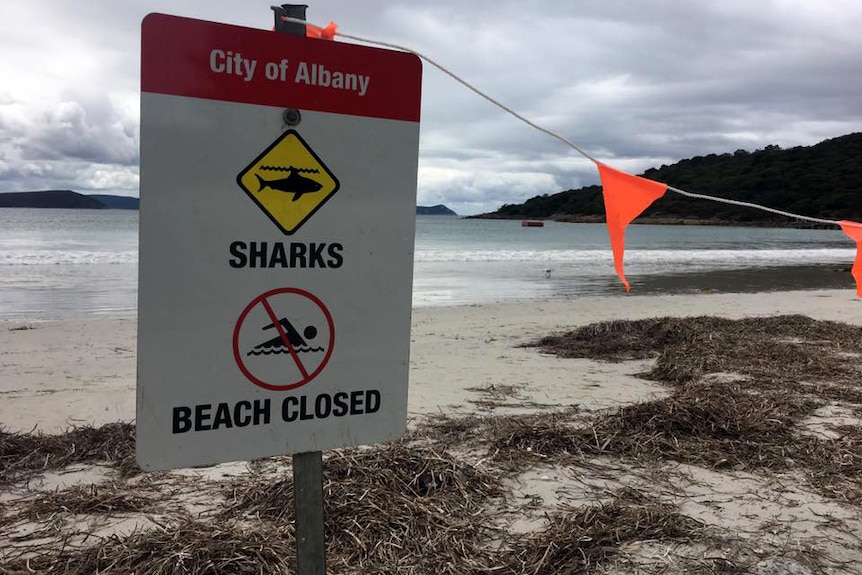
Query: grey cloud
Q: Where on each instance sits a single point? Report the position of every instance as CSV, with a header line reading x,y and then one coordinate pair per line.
x,y
74,175
634,83
85,126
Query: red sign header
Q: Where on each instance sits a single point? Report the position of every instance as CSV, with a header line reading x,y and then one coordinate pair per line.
x,y
199,59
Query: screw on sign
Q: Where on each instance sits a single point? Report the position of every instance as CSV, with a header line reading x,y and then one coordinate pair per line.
x,y
283,339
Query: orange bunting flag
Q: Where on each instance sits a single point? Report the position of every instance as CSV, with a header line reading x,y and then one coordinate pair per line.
x,y
328,33
626,197
854,232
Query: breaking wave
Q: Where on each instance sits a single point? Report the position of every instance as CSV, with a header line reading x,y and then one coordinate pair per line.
x,y
65,257
754,256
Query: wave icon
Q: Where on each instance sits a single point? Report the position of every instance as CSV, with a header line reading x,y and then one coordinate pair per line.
x,y
288,338
279,350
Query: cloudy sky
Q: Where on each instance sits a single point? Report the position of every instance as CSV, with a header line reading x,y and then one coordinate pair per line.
x,y
636,83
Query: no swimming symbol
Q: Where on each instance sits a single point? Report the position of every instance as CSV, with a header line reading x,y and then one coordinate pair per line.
x,y
283,339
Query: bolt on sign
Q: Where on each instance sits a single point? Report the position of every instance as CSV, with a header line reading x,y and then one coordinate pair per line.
x,y
276,261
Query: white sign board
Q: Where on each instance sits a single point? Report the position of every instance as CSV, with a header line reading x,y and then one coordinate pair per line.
x,y
276,261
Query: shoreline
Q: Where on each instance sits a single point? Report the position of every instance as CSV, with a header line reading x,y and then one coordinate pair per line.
x,y
662,221
770,279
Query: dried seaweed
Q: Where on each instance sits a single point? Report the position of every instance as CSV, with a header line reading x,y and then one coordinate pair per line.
x,y
787,347
715,426
832,466
445,430
578,540
6,515
396,509
94,499
791,365
518,442
188,547
24,454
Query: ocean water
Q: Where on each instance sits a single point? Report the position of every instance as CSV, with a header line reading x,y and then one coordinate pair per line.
x,y
57,264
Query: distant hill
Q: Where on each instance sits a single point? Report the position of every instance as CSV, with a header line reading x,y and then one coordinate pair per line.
x,y
69,199
118,202
438,210
66,199
824,180
50,199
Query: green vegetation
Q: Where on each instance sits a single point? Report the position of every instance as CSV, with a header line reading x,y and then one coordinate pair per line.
x,y
824,180
117,202
438,210
66,199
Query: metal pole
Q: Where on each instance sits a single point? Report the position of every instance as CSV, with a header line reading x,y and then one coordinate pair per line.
x,y
308,507
307,467
291,11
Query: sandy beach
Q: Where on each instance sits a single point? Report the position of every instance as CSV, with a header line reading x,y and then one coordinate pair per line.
x,y
54,375
475,362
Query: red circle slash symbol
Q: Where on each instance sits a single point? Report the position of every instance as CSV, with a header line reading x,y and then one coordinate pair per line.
x,y
283,324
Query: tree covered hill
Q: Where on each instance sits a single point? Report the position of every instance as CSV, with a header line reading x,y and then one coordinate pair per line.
x,y
824,180
65,199
438,210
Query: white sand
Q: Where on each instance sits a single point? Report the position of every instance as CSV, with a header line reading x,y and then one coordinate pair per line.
x,y
59,374
76,372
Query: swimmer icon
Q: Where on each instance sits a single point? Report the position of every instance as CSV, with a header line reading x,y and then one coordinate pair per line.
x,y
290,358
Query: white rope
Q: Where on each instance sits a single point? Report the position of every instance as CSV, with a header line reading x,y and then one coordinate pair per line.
x,y
469,86
750,205
557,136
461,81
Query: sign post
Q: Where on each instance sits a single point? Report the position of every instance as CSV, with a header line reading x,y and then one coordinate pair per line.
x,y
308,507
277,222
307,467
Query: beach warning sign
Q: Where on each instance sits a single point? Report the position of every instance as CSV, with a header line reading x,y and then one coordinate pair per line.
x,y
275,259
288,181
283,339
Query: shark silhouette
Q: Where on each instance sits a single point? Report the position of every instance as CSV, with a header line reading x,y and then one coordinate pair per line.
x,y
294,183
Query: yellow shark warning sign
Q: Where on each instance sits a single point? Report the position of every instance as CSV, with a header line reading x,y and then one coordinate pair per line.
x,y
288,181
